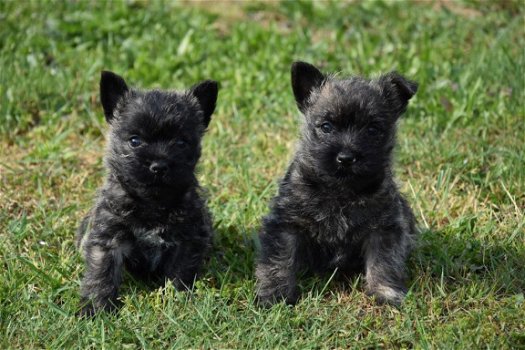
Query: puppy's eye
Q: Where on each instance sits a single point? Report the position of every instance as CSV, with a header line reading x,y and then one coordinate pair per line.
x,y
180,143
327,127
135,141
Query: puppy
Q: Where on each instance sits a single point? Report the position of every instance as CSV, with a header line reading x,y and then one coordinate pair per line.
x,y
338,206
150,217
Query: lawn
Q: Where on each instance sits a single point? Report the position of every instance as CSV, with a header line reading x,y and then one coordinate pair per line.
x,y
460,162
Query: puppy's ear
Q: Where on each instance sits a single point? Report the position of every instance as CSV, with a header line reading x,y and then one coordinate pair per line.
x,y
305,78
112,88
398,89
206,93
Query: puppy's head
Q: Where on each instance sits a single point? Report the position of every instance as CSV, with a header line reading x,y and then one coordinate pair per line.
x,y
350,124
155,136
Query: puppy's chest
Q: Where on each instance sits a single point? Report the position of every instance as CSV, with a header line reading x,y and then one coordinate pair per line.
x,y
159,236
158,229
333,222
151,243
160,233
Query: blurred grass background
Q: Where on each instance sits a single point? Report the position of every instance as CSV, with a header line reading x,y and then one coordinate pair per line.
x,y
460,161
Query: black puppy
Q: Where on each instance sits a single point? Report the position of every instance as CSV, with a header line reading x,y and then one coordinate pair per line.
x,y
149,217
338,206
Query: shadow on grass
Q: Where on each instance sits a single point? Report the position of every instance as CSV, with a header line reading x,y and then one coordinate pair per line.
x,y
440,258
458,261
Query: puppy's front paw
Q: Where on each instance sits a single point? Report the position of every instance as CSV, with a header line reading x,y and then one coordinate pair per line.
x,y
89,308
387,295
267,298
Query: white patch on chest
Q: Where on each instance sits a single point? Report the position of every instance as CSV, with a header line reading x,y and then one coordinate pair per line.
x,y
151,237
155,244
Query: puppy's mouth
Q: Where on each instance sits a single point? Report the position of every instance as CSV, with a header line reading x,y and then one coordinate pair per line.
x,y
352,171
148,178
158,180
167,179
343,172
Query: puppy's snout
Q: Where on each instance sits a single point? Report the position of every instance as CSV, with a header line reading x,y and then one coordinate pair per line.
x,y
158,167
346,158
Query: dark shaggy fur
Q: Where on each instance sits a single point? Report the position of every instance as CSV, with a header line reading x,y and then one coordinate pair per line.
x,y
149,217
338,206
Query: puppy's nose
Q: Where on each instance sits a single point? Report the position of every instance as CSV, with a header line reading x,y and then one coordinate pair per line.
x,y
345,158
158,167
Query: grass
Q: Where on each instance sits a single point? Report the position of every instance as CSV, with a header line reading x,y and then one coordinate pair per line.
x,y
460,162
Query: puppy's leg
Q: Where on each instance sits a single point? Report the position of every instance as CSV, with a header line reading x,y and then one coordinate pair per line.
x,y
277,268
182,264
385,255
83,231
102,278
